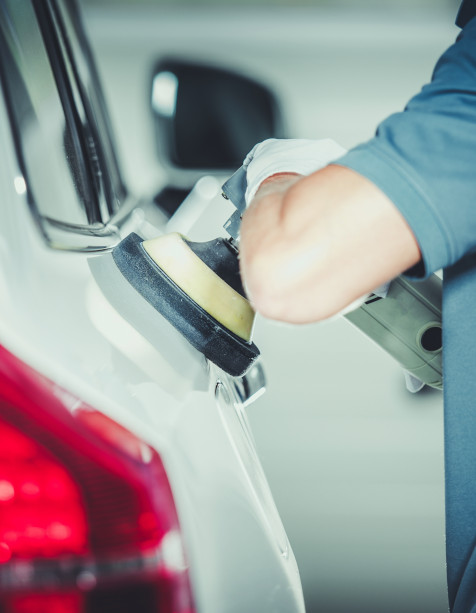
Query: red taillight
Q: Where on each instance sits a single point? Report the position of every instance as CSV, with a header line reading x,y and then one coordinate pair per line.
x,y
87,517
40,505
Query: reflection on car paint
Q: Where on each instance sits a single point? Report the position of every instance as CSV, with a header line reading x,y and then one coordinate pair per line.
x,y
234,419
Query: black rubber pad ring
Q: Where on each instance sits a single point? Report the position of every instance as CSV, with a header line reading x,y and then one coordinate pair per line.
x,y
221,346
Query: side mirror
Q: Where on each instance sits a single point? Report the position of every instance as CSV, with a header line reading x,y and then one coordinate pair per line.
x,y
206,118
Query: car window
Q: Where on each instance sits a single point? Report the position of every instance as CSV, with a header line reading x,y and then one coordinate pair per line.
x,y
56,135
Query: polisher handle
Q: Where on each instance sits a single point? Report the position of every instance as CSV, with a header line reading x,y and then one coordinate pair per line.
x,y
407,324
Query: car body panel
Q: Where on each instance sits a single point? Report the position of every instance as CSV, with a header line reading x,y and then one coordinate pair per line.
x,y
55,318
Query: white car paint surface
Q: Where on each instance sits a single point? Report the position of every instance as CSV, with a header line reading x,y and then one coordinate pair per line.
x,y
55,318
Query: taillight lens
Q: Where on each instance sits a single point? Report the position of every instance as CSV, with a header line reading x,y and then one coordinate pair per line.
x,y
87,516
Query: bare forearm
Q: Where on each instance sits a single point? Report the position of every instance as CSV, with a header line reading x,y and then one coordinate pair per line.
x,y
311,245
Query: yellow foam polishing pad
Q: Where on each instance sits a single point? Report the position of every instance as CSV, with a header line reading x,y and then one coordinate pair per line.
x,y
209,291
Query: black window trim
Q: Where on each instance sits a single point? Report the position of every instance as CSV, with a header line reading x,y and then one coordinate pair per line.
x,y
113,190
52,44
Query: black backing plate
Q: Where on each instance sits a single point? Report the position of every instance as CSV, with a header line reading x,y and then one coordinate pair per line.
x,y
228,351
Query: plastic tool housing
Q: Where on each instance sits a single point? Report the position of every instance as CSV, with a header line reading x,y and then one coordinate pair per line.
x,y
407,323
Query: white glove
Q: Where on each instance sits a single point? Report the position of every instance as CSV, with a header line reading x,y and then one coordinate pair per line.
x,y
272,156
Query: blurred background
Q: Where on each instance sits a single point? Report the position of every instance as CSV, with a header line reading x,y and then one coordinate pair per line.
x,y
355,462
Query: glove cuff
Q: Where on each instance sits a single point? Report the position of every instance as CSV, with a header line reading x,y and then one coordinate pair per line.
x,y
298,156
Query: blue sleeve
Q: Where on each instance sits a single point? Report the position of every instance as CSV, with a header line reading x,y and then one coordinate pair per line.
x,y
424,158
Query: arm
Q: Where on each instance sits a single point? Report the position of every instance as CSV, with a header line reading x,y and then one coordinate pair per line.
x,y
311,245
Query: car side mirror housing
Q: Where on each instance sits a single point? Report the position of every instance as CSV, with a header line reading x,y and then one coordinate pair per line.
x,y
207,118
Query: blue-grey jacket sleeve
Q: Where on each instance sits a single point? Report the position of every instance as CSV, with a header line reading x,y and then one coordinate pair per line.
x,y
424,158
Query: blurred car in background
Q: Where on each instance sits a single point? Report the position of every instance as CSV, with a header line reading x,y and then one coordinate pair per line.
x,y
129,479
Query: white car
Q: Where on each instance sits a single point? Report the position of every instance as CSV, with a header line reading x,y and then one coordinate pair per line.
x,y
128,475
